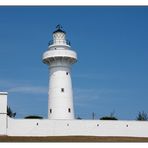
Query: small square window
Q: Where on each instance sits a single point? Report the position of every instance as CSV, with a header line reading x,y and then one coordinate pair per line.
x,y
62,89
50,110
69,110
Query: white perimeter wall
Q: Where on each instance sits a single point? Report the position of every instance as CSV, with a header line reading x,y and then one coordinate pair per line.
x,y
3,124
37,127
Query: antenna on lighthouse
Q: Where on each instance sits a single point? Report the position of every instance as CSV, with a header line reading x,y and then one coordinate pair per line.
x,y
59,26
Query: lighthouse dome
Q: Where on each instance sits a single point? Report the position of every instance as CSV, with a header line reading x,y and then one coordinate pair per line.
x,y
59,29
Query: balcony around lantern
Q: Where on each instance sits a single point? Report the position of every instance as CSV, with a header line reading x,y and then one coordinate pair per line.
x,y
56,54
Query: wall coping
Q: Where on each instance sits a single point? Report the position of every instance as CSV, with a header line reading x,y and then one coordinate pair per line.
x,y
3,93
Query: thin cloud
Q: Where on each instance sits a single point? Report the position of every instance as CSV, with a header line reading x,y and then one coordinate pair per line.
x,y
85,94
85,97
17,87
29,89
89,76
6,83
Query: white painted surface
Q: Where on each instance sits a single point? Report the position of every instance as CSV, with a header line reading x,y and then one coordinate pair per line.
x,y
59,38
50,55
3,112
35,127
3,124
3,102
60,101
59,58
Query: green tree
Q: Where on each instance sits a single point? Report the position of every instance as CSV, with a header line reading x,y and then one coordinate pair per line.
x,y
142,116
110,117
10,113
79,118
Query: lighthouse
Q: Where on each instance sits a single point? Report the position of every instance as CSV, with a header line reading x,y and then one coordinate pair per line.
x,y
59,57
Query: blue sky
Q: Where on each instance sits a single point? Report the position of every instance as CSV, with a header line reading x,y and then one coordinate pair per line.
x,y
111,75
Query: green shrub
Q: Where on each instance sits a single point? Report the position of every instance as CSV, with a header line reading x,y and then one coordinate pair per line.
x,y
108,118
33,117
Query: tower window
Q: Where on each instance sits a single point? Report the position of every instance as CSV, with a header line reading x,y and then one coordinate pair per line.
x,y
50,110
66,73
69,110
62,89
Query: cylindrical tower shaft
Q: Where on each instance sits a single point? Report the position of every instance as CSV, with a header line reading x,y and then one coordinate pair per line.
x,y
60,93
60,57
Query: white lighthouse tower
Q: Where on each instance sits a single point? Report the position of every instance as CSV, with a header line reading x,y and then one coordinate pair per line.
x,y
59,58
